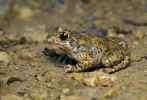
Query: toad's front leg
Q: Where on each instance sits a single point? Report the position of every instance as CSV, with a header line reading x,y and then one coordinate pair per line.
x,y
79,67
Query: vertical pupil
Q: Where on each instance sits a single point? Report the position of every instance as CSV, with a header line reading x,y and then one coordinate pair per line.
x,y
63,36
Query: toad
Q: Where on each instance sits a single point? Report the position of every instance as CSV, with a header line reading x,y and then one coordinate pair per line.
x,y
108,54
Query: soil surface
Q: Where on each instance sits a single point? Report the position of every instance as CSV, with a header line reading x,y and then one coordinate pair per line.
x,y
26,73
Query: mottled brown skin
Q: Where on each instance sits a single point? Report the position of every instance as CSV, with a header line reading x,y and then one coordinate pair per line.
x,y
91,50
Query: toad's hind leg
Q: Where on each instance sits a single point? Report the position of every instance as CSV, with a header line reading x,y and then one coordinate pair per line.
x,y
115,61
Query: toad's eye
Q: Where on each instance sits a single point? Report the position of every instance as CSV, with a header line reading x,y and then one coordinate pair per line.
x,y
64,36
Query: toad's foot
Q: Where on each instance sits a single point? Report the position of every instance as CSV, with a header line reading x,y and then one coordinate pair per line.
x,y
81,66
69,68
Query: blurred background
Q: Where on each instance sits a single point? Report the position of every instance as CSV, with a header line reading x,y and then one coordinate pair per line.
x,y
17,15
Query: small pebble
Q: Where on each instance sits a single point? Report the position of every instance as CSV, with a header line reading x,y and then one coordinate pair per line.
x,y
111,33
112,93
135,43
25,13
5,59
66,90
32,64
121,36
123,87
40,78
29,54
140,35
145,71
38,94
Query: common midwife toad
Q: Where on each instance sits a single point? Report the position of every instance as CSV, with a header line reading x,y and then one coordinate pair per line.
x,y
109,54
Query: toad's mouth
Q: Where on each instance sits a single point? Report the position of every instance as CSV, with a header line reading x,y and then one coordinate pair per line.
x,y
64,47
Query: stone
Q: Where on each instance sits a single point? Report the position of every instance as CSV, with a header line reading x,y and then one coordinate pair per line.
x,y
66,90
25,13
137,85
111,33
140,35
135,57
123,87
29,54
40,78
5,59
38,94
96,78
112,93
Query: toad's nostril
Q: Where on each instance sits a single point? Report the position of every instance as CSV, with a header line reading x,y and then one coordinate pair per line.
x,y
49,40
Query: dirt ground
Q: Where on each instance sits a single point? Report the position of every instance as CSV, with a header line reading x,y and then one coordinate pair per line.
x,y
27,74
